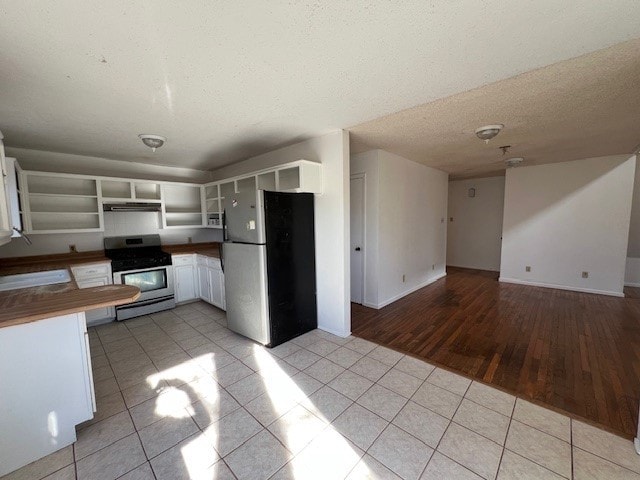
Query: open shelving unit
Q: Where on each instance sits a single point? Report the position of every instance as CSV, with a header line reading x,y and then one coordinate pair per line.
x,y
128,190
60,203
182,206
299,176
213,206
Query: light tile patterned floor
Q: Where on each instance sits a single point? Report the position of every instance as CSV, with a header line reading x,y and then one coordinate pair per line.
x,y
180,396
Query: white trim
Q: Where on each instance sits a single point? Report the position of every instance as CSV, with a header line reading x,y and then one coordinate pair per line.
x,y
334,332
632,284
406,292
560,287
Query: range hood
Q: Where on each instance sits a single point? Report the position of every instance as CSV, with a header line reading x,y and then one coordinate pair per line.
x,y
131,207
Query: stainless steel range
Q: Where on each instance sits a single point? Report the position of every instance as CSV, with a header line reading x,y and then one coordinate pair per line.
x,y
140,261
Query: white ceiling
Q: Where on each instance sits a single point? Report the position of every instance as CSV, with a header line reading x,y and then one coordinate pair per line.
x,y
228,80
583,107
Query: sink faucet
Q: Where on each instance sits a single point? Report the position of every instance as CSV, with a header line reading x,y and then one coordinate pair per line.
x,y
26,239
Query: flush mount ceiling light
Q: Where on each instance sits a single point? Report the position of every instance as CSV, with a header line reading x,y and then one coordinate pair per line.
x,y
152,141
487,132
514,162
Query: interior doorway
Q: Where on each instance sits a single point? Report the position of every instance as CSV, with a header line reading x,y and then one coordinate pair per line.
x,y
357,237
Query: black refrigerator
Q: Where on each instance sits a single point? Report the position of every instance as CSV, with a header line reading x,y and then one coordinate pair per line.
x,y
268,258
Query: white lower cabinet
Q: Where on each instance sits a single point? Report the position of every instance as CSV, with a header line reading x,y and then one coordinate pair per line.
x,y
216,282
95,275
47,388
185,278
210,281
204,292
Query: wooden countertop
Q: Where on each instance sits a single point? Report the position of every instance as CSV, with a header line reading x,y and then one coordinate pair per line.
x,y
211,249
39,263
31,304
26,305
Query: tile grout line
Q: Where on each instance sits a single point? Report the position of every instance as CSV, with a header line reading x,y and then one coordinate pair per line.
x,y
506,436
445,432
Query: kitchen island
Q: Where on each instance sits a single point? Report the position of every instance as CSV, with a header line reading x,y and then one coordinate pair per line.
x,y
45,364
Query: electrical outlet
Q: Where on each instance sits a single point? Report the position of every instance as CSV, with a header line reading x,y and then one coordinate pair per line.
x,y
585,274
403,278
189,240
527,268
73,249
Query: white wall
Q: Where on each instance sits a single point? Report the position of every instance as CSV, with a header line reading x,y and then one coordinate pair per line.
x,y
331,220
632,277
566,218
115,224
40,160
474,236
409,207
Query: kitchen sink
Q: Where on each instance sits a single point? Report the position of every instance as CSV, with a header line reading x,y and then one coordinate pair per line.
x,y
35,279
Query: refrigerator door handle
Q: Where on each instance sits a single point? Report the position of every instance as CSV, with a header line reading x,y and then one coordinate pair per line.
x,y
224,226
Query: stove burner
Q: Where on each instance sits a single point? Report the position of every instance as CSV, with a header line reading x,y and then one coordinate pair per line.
x,y
135,253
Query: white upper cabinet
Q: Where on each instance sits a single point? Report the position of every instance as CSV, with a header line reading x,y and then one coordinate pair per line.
x,y
59,203
6,227
14,195
182,205
299,176
66,203
130,190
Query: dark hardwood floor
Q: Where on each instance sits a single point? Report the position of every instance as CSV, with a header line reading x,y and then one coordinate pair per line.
x,y
576,352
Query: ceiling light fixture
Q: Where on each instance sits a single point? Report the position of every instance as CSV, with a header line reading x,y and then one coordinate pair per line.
x,y
514,162
152,141
487,132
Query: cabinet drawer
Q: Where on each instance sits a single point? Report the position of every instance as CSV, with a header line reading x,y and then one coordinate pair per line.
x,y
182,259
92,271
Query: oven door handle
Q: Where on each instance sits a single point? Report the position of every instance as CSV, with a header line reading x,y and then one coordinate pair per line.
x,y
144,303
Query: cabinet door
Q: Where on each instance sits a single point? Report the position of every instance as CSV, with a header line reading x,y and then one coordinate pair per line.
x,y
185,283
203,283
6,229
217,288
95,317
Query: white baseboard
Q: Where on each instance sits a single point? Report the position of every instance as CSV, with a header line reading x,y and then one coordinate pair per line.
x,y
560,287
407,292
631,284
335,332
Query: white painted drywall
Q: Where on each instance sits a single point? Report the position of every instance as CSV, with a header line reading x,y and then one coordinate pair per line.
x,y
331,220
115,224
367,163
474,236
146,168
632,277
632,272
566,218
409,207
413,233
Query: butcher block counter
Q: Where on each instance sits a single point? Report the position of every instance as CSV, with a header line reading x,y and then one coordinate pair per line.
x,y
211,249
37,303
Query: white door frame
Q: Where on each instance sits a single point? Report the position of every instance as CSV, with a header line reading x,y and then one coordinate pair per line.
x,y
363,176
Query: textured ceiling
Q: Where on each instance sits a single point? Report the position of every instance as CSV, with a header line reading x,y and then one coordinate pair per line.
x,y
228,80
584,107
